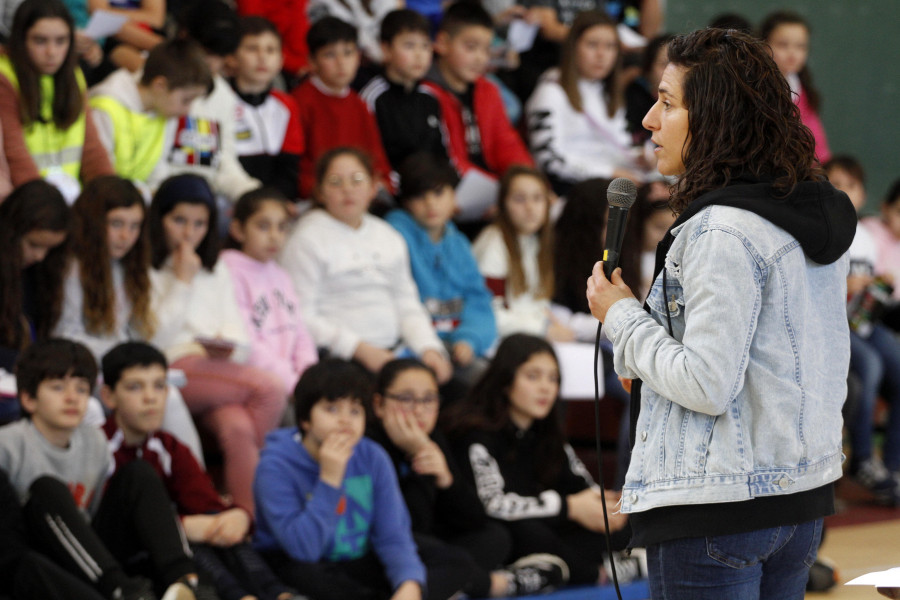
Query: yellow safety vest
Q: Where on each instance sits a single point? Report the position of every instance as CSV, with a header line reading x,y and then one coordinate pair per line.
x,y
51,147
138,138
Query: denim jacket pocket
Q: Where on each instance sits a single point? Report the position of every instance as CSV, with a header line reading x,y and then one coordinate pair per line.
x,y
672,302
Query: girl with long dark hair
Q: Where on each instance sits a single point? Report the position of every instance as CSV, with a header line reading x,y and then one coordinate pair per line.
x,y
107,289
34,227
508,439
787,33
202,332
576,115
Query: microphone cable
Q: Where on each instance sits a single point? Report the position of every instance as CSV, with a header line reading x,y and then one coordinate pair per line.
x,y
609,550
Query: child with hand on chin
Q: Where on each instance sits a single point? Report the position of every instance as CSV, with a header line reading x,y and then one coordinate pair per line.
x,y
330,517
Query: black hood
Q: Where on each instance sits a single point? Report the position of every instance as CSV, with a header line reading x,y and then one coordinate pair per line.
x,y
819,216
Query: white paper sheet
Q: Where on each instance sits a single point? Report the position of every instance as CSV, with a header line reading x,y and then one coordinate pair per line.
x,y
576,366
475,194
104,24
889,578
521,35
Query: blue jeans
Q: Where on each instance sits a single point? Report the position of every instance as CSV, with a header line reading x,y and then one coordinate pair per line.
x,y
770,564
876,361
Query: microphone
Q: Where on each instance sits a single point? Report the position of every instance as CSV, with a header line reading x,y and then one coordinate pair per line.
x,y
620,194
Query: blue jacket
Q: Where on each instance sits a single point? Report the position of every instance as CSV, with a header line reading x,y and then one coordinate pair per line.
x,y
742,392
450,285
311,521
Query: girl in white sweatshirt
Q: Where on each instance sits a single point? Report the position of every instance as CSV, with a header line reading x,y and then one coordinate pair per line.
x,y
515,256
202,332
576,115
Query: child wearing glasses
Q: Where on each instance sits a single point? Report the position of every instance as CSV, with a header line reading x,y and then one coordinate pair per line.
x,y
446,513
352,275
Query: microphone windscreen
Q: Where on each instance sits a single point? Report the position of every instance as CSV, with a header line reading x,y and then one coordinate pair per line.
x,y
621,192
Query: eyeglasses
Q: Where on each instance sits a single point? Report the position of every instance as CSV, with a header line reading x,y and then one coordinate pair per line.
x,y
429,401
354,181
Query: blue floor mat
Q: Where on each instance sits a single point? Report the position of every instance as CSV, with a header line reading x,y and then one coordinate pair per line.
x,y
638,590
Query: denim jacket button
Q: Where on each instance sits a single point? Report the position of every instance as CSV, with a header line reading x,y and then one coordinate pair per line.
x,y
643,436
784,483
634,498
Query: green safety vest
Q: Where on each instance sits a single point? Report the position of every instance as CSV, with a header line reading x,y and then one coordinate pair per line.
x,y
51,147
138,138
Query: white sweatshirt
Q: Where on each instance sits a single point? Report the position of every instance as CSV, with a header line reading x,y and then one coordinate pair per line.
x,y
525,313
205,307
571,145
355,285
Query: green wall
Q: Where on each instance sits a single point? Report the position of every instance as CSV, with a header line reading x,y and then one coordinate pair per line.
x,y
855,63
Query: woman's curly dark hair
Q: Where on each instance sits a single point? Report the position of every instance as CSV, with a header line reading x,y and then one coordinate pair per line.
x,y
741,118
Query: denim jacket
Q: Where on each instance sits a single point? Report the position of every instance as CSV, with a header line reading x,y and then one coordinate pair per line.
x,y
744,398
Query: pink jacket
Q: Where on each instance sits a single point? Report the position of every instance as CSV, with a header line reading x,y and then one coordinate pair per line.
x,y
280,342
811,119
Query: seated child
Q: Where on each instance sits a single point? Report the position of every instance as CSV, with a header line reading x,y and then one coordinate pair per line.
x,y
576,115
107,285
508,440
292,21
135,113
450,285
279,340
106,294
365,15
134,375
332,114
442,504
480,135
204,140
46,123
874,352
408,114
59,467
351,272
268,138
201,330
330,517
515,255
35,223
885,229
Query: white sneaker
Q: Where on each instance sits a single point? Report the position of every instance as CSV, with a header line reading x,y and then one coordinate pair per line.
x,y
179,591
629,567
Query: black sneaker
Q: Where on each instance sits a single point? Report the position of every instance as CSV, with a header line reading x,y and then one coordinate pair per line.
x,y
136,588
537,573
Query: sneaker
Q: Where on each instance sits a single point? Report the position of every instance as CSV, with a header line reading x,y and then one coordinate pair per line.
x,y
136,588
179,591
874,476
629,565
537,573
